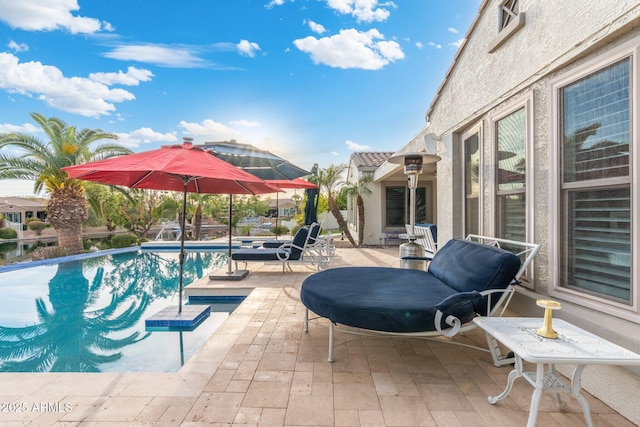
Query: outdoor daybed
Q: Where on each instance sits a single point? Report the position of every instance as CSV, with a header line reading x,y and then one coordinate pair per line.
x,y
459,285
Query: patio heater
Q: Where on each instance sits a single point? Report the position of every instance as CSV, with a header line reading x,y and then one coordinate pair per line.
x,y
411,253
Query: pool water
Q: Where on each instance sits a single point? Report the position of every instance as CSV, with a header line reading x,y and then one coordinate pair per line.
x,y
88,315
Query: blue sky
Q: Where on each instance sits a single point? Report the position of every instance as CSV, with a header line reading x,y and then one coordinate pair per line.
x,y
309,80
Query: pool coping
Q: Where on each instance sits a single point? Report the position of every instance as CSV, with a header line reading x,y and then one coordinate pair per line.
x,y
77,257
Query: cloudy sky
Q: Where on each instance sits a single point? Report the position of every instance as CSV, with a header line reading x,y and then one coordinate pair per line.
x,y
310,80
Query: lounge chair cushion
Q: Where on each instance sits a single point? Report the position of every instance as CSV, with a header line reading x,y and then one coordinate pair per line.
x,y
291,253
272,244
402,300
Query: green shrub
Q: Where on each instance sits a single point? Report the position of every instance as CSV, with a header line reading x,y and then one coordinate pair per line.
x,y
279,230
124,240
8,233
37,226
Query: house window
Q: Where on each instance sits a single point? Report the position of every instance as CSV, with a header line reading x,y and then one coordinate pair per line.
x,y
472,183
511,177
595,212
508,12
397,206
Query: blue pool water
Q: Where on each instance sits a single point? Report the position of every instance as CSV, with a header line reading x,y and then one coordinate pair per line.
x,y
87,315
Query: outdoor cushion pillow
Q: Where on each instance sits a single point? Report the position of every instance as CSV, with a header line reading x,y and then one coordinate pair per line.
x,y
471,266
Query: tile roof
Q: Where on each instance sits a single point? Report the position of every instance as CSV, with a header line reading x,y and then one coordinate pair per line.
x,y
371,158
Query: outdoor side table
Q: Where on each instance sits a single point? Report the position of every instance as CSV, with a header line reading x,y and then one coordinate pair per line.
x,y
573,346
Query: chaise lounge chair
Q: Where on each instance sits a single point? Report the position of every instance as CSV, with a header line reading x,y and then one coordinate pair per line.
x,y
465,279
297,251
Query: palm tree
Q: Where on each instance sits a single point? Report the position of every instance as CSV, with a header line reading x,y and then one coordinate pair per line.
x,y
357,190
42,162
328,179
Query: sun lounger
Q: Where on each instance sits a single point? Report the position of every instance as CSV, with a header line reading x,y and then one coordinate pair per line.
x,y
296,251
465,279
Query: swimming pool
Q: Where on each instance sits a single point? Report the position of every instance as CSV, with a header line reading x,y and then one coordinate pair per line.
x,y
87,314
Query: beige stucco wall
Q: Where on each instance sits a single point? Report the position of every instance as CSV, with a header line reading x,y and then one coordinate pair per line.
x,y
556,37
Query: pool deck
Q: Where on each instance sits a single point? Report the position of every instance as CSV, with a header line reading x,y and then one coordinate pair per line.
x,y
260,369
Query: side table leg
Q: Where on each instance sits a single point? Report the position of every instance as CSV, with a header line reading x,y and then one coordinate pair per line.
x,y
575,391
515,373
537,394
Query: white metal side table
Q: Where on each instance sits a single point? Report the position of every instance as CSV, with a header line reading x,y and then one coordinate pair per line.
x,y
573,346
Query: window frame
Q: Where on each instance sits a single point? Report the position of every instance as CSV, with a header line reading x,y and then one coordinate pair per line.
x,y
630,311
473,130
525,102
512,14
427,186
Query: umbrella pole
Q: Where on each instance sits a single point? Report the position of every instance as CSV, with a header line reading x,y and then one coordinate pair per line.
x,y
181,259
230,229
277,215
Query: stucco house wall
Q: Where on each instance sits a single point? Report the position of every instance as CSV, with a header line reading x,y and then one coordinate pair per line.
x,y
557,38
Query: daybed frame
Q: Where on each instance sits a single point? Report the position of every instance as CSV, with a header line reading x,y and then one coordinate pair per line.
x,y
526,252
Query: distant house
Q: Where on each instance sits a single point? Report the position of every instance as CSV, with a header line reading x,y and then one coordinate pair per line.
x,y
386,208
285,208
537,122
19,210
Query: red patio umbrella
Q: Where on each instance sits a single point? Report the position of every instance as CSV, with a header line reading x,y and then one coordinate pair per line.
x,y
184,168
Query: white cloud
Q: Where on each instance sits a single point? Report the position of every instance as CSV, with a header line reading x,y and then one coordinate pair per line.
x,y
245,47
351,49
49,15
24,128
172,56
18,47
436,45
453,30
419,45
245,123
207,127
273,3
362,10
316,28
354,146
78,95
335,153
457,43
144,136
132,77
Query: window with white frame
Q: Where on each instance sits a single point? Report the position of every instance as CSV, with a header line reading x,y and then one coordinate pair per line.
x,y
510,176
471,147
595,215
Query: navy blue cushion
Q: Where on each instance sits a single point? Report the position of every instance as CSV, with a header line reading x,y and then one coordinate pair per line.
x,y
271,254
263,254
272,244
298,242
470,266
376,298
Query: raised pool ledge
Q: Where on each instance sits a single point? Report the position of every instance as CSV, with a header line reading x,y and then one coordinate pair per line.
x,y
190,317
29,264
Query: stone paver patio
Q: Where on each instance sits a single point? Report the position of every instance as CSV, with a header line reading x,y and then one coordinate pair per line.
x,y
260,369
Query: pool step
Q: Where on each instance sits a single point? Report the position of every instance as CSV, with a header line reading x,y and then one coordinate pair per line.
x,y
190,317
